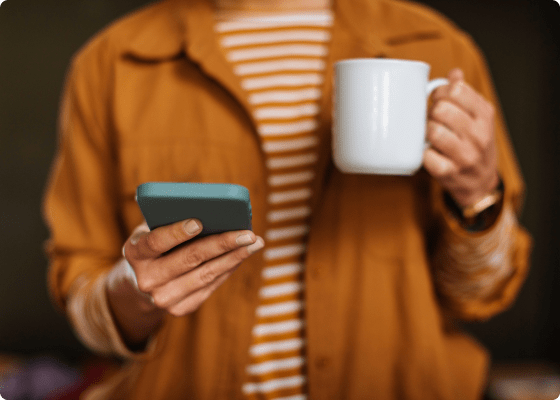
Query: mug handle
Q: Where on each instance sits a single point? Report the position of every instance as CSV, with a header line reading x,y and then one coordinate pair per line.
x,y
433,85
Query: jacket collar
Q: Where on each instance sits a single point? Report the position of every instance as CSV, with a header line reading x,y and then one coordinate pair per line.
x,y
184,25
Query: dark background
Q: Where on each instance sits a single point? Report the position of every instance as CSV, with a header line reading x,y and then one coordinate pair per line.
x,y
520,38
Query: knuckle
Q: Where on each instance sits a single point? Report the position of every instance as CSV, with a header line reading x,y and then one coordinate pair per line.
x,y
439,132
490,110
470,158
176,312
207,275
226,242
438,172
151,242
445,170
129,251
184,309
240,255
441,110
145,284
486,141
434,170
456,91
178,233
432,131
159,301
193,258
438,93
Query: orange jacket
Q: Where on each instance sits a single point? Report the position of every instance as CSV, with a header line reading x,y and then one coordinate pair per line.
x,y
152,98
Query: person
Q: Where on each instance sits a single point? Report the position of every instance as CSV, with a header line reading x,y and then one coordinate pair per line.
x,y
361,282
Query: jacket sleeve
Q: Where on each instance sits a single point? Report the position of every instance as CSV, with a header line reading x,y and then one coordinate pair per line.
x,y
81,204
478,274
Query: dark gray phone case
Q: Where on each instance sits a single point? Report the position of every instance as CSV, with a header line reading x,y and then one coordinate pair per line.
x,y
220,207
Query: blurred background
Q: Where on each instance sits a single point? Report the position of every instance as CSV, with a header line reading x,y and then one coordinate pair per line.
x,y
521,40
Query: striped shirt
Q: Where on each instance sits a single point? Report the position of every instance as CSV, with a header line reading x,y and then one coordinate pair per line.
x,y
280,59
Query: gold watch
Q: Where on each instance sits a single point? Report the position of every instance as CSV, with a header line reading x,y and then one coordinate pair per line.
x,y
482,213
489,200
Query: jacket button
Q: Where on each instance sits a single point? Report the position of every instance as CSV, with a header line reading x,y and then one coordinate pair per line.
x,y
314,273
322,362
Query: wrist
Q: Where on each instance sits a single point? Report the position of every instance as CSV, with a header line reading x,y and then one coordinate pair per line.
x,y
122,280
481,214
136,317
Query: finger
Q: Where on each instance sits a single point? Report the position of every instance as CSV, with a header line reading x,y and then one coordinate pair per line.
x,y
201,277
135,235
437,165
461,152
193,302
187,258
464,95
456,74
453,117
149,245
442,92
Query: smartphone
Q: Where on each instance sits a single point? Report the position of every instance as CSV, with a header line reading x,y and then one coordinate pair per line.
x,y
221,207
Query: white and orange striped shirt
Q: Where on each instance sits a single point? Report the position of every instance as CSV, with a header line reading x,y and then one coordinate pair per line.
x,y
280,59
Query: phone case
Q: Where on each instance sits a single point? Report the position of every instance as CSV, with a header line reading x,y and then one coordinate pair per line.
x,y
220,207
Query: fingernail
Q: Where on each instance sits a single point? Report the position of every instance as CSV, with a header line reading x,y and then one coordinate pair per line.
x,y
259,244
192,227
136,238
244,240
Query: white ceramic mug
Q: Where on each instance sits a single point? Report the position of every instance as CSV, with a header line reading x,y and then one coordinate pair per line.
x,y
379,124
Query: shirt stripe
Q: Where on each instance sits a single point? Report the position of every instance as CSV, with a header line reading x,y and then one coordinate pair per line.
x,y
277,328
280,146
281,289
290,179
282,80
275,365
292,64
283,270
280,60
274,253
288,112
276,309
287,196
292,35
277,51
274,384
248,23
278,346
284,96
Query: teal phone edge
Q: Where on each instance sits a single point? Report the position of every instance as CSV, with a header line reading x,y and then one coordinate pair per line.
x,y
221,207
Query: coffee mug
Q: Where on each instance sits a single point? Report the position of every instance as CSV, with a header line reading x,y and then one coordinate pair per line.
x,y
379,117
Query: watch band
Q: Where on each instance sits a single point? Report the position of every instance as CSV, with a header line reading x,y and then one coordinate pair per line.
x,y
482,204
480,215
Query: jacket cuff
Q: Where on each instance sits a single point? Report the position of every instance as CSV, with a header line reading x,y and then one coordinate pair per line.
x,y
89,312
478,274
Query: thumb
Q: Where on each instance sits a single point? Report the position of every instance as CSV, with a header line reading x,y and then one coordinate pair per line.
x,y
455,75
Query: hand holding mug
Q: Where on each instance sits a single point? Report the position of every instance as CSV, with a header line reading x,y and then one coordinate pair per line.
x,y
460,129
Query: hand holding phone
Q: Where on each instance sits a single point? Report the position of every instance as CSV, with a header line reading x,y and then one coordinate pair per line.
x,y
181,278
177,272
